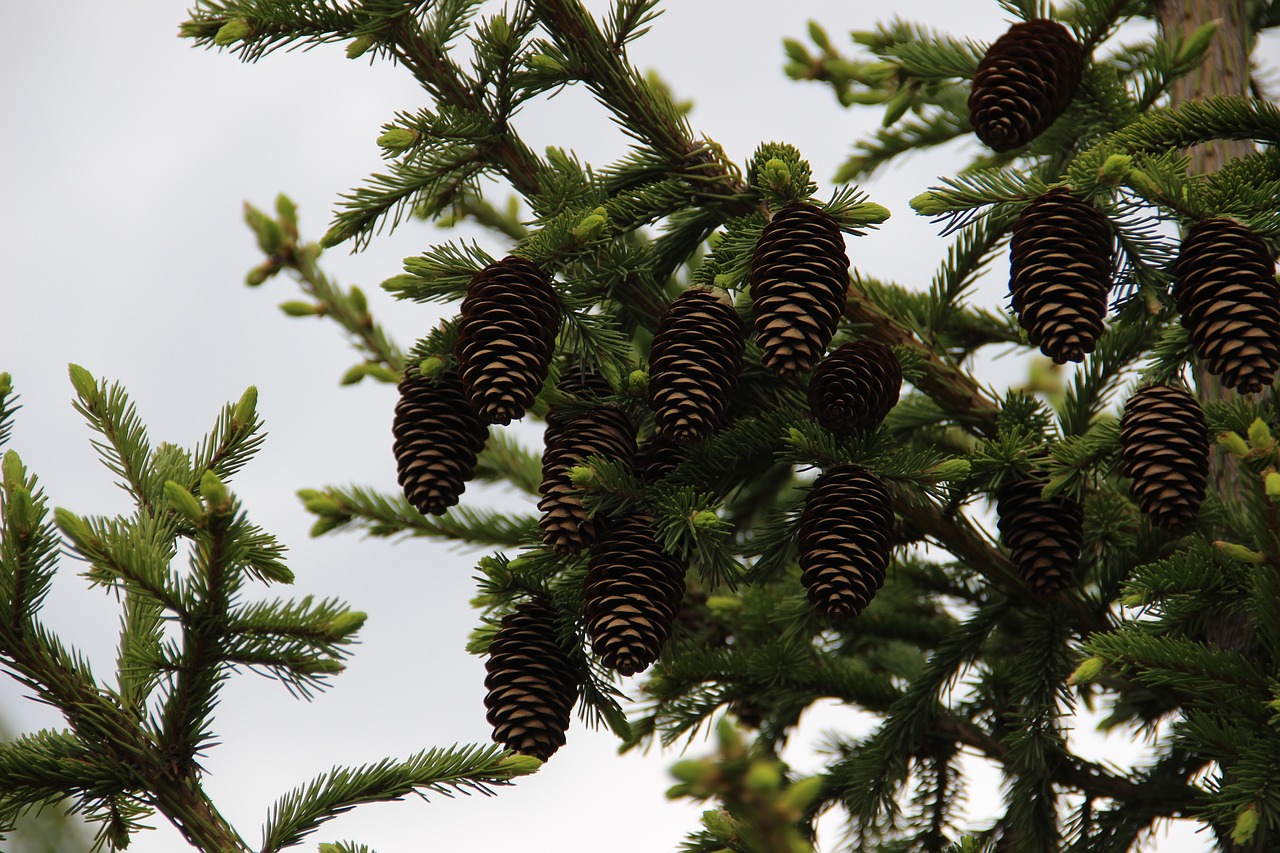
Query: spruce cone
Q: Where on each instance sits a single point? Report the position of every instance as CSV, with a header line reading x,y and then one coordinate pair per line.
x,y
799,281
605,431
694,365
1044,537
1165,447
633,592
1060,273
1226,289
506,335
657,457
855,386
844,541
1024,83
437,439
584,383
532,683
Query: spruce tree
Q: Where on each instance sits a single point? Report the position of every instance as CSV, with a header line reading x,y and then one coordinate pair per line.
x,y
968,564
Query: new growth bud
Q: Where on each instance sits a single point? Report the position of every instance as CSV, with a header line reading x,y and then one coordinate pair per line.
x,y
592,225
1192,51
359,47
1115,169
346,624
1271,483
12,469
1233,444
214,492
430,368
232,32
1246,824
399,139
777,175
1088,670
84,383
928,204
1260,436
1239,552
246,410
183,502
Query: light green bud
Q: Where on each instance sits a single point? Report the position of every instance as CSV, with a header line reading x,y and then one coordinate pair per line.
x,y
801,794
308,494
723,280
777,175
1246,824
183,502
399,139
728,736
1135,600
400,283
232,32
303,309
582,476
720,824
1191,52
1233,444
75,527
360,46
6,384
354,374
695,771
260,274
12,469
1240,552
21,510
952,469
1141,182
520,765
592,225
347,623
339,233
288,213
382,373
898,105
323,505
638,382
928,204
214,492
764,777
430,368
320,666
819,36
500,30
1260,436
1089,669
1271,483
324,524
84,383
796,52
359,302
868,213
545,64
270,235
1115,169
246,409
705,519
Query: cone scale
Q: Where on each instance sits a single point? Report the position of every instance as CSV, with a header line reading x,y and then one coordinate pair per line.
x,y
438,437
1164,443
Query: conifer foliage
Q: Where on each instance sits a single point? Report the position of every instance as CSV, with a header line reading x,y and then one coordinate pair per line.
x,y
679,529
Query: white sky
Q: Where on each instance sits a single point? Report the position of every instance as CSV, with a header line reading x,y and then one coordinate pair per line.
x,y
125,156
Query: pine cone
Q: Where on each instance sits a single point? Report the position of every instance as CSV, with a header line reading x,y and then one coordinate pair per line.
x,y
855,386
844,541
1024,83
1165,449
583,382
1060,274
694,365
437,439
657,457
1226,289
506,334
632,594
799,282
1044,537
605,431
532,683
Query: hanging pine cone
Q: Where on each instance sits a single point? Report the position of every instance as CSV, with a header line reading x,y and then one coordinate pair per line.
x,y
1024,83
1043,537
844,541
799,281
532,683
1225,286
855,386
437,439
506,335
657,457
1164,445
1060,274
632,594
694,365
606,432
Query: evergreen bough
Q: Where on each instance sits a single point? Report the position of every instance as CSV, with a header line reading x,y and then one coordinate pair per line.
x,y
1173,634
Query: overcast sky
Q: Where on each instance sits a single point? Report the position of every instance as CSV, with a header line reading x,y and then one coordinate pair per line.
x,y
126,156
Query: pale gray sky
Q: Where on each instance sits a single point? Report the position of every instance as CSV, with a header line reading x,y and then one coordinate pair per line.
x,y
125,155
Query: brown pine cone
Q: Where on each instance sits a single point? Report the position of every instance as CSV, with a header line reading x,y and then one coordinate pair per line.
x,y
1165,450
694,365
437,439
1024,83
632,594
844,541
657,457
799,284
1043,537
1060,274
604,431
1225,286
855,386
532,683
506,334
